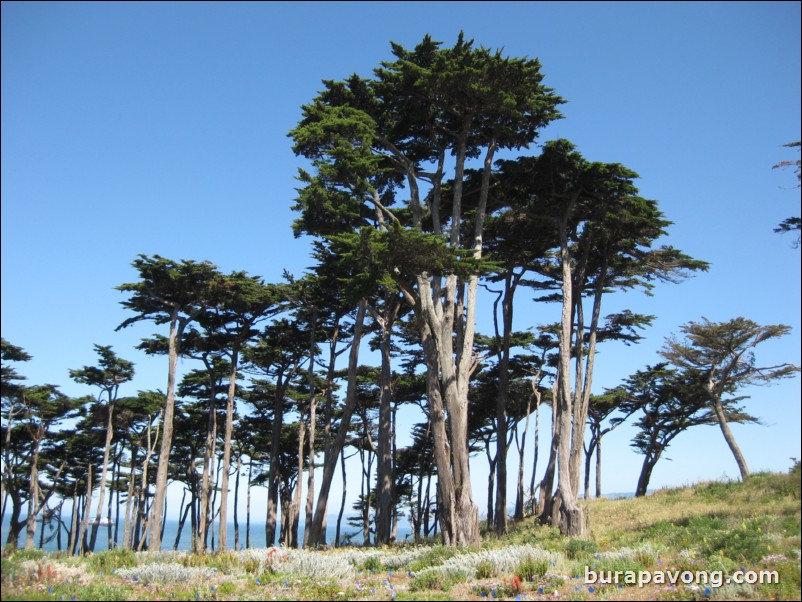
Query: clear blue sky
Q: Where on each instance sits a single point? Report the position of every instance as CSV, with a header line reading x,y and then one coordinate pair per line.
x,y
152,128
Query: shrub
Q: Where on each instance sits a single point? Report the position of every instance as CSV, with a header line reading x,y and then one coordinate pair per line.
x,y
530,568
485,569
112,559
433,557
372,563
580,548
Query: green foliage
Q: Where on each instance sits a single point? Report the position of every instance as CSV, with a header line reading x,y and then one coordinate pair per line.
x,y
485,570
437,579
323,591
112,559
372,563
580,548
530,568
745,543
433,557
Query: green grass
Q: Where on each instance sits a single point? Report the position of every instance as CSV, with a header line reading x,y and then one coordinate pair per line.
x,y
724,526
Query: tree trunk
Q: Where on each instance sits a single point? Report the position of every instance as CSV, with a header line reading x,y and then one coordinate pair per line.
x,y
299,485
33,492
208,460
157,508
336,445
103,472
385,477
87,510
236,503
649,463
342,499
566,513
730,439
232,390
598,466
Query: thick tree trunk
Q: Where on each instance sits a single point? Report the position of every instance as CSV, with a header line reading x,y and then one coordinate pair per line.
x,y
566,513
649,463
385,477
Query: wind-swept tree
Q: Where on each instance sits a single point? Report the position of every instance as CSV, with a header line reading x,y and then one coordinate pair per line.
x,y
108,375
173,293
427,104
671,402
792,223
720,355
10,411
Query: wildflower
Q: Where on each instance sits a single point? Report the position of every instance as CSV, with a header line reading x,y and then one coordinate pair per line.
x,y
591,590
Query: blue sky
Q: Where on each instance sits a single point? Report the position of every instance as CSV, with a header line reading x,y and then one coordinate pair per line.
x,y
161,128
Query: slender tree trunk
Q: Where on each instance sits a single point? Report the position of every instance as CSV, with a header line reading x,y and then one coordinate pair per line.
x,y
519,498
342,499
730,439
588,458
299,485
598,466
236,503
33,492
248,507
273,473
182,518
232,390
87,511
103,472
310,484
129,502
491,489
208,468
157,508
337,444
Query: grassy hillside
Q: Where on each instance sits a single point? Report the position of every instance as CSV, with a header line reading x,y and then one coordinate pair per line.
x,y
706,534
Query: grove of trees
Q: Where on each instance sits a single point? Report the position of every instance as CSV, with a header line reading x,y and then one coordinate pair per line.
x,y
431,202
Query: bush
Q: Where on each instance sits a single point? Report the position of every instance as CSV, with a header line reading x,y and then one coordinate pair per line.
x,y
434,557
112,559
437,579
485,569
580,548
372,563
530,568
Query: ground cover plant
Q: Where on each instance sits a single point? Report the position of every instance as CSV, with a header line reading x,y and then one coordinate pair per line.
x,y
721,526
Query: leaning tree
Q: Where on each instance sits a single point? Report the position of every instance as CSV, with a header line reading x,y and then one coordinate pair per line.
x,y
722,355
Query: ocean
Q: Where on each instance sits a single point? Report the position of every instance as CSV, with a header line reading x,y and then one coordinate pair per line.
x,y
257,535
